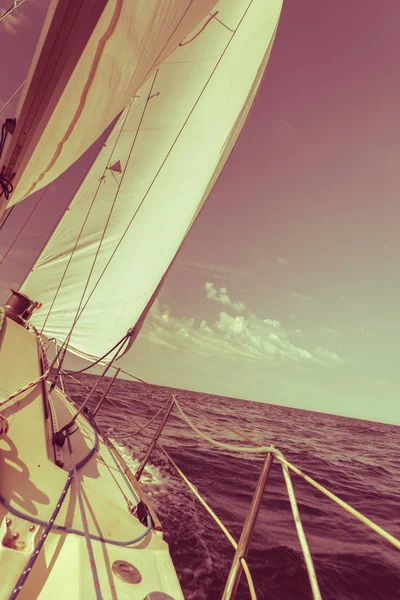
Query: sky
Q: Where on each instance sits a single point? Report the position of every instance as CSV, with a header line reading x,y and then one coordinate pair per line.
x,y
287,289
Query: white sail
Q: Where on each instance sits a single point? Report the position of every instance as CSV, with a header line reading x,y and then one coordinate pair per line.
x,y
131,214
91,58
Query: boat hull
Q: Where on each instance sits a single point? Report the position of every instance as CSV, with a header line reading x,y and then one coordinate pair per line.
x,y
31,485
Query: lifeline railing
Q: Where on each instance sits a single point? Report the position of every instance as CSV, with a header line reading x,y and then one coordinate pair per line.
x,y
241,548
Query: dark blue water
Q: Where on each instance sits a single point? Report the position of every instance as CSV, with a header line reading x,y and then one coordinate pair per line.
x,y
357,460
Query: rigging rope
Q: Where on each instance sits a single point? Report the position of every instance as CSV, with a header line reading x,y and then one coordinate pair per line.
x,y
48,525
368,522
10,10
122,472
25,388
133,376
257,450
279,456
59,369
37,521
302,537
42,377
13,96
140,429
200,31
156,63
98,538
147,424
214,516
85,523
98,360
28,568
83,405
3,258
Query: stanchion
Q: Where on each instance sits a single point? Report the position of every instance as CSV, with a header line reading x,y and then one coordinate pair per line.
x,y
247,532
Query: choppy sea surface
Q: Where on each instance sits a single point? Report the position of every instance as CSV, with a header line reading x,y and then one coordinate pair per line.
x,y
357,460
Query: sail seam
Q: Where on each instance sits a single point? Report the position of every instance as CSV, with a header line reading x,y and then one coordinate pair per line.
x,y
155,63
200,30
223,24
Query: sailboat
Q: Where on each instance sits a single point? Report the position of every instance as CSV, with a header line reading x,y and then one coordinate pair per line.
x,y
172,81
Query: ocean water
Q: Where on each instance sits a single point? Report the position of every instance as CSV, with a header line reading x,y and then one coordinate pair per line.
x,y
357,460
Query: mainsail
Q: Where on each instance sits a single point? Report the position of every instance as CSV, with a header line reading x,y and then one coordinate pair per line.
x,y
91,58
101,267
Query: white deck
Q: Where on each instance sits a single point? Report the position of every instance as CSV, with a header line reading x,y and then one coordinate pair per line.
x,y
32,483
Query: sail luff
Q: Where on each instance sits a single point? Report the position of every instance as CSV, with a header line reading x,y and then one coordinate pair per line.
x,y
171,148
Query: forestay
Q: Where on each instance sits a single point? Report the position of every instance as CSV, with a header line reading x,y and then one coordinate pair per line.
x,y
91,58
133,211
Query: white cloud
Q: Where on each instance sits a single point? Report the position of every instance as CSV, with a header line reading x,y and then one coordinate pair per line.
x,y
245,337
222,297
329,332
282,261
272,322
302,297
327,355
272,262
